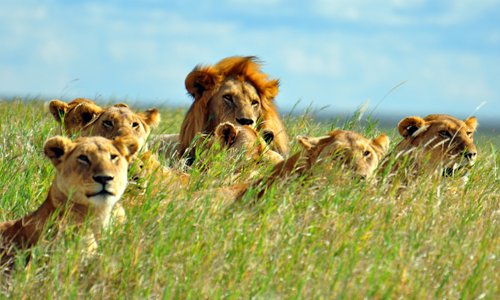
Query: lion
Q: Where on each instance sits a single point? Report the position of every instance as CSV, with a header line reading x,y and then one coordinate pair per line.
x,y
243,139
338,149
236,91
85,117
436,143
91,175
345,149
243,149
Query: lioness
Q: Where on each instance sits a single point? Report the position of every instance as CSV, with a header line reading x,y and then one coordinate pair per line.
x,y
437,142
244,140
91,175
346,149
243,149
84,117
236,91
339,148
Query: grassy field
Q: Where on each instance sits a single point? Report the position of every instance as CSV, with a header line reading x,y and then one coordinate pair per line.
x,y
307,238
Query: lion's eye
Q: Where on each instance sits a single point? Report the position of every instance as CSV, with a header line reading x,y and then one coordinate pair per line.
x,y
445,134
255,103
84,159
113,156
135,124
228,98
108,123
469,134
366,153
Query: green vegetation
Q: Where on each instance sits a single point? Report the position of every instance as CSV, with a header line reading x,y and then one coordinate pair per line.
x,y
307,238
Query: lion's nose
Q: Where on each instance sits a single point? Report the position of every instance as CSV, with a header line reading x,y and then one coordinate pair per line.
x,y
244,121
470,155
102,179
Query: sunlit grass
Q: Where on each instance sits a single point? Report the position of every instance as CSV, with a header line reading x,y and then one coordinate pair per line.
x,y
306,238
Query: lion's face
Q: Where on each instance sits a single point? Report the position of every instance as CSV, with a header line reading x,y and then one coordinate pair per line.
x,y
236,91
244,140
91,171
236,102
346,149
442,140
88,119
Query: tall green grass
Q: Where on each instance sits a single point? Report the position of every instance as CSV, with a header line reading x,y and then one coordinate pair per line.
x,y
317,237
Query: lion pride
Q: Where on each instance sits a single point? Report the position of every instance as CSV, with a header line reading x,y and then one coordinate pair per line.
x,y
91,175
236,91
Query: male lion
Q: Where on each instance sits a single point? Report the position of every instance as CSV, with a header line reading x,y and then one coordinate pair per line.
x,y
91,175
84,117
436,142
234,90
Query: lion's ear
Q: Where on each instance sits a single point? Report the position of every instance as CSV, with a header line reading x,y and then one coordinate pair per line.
x,y
380,144
127,145
86,112
200,80
58,109
472,123
226,132
308,142
412,126
151,116
56,147
268,136
272,88
120,105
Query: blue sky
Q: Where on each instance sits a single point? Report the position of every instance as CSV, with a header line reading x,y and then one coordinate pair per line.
x,y
336,53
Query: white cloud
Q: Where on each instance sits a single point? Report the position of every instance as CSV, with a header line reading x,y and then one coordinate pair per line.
x,y
403,12
326,61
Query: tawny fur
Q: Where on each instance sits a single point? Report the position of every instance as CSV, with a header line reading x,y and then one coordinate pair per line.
x,y
86,118
91,175
346,149
436,143
341,149
244,145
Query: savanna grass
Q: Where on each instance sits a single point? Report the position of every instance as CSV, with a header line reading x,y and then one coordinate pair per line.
x,y
315,237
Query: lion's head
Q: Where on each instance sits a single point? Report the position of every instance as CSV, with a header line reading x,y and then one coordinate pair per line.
x,y
439,140
244,140
91,171
84,117
234,90
345,149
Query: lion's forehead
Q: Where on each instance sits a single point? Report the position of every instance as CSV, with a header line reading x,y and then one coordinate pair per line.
x,y
450,125
248,133
121,116
347,145
97,146
243,88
